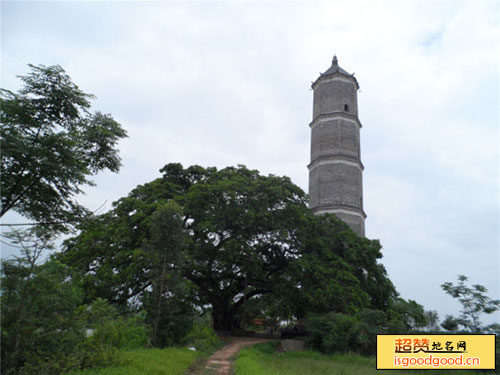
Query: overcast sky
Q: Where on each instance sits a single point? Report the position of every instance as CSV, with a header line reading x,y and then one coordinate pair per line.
x,y
220,83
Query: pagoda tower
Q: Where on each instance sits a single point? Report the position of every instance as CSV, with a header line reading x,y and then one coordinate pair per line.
x,y
336,171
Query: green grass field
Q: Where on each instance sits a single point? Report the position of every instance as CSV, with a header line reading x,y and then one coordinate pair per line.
x,y
170,361
263,359
260,359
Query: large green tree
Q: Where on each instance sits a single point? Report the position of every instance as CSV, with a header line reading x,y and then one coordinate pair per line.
x,y
246,236
51,144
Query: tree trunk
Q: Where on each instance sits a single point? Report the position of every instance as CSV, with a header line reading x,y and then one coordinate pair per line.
x,y
224,320
158,306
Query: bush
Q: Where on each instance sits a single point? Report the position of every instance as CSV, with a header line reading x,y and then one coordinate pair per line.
x,y
39,318
110,330
370,323
176,318
44,324
202,337
332,333
341,333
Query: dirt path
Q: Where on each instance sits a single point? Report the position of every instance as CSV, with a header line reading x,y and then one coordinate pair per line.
x,y
221,361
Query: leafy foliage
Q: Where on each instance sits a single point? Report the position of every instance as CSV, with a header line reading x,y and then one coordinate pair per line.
x,y
109,328
405,316
333,332
474,302
241,236
165,257
176,316
50,145
137,257
338,270
43,321
40,321
341,333
202,337
450,323
432,318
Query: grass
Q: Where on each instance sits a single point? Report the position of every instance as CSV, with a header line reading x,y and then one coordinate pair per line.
x,y
169,361
263,359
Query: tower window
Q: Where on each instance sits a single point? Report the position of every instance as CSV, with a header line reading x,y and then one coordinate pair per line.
x,y
346,107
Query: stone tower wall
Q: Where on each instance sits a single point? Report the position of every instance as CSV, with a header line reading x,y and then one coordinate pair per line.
x,y
335,184
332,97
335,137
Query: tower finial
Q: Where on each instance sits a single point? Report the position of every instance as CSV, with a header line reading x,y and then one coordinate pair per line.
x,y
335,61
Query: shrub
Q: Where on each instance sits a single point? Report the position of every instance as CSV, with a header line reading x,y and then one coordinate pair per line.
x,y
341,333
202,337
44,324
333,332
176,318
110,330
39,318
370,324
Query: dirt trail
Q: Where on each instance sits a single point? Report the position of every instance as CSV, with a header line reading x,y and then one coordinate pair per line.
x,y
221,361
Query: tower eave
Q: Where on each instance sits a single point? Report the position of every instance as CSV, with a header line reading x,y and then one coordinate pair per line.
x,y
333,75
321,209
338,157
333,114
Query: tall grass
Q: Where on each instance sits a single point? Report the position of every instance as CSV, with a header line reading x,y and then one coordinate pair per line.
x,y
169,361
263,359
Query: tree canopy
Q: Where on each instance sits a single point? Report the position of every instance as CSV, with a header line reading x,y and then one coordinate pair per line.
x,y
246,236
51,144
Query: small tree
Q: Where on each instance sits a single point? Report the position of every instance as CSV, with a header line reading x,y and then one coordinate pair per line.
x,y
165,259
39,318
432,318
474,302
451,324
43,321
405,316
51,144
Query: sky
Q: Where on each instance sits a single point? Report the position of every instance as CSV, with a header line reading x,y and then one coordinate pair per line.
x,y
220,83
